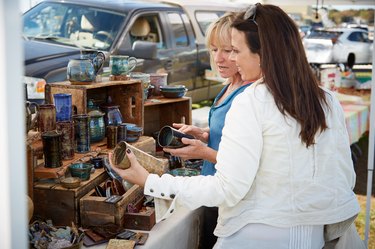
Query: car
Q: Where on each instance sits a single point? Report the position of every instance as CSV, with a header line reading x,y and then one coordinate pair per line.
x,y
164,36
339,45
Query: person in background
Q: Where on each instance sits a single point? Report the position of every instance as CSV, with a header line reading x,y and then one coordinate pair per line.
x,y
206,144
284,174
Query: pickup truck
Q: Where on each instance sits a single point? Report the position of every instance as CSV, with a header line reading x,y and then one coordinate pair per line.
x,y
165,37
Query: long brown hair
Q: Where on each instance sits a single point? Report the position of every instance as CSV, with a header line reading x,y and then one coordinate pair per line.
x,y
287,74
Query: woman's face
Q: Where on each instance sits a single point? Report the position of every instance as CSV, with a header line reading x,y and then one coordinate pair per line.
x,y
226,67
248,63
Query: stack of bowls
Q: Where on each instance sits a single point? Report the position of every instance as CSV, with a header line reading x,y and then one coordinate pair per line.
x,y
176,91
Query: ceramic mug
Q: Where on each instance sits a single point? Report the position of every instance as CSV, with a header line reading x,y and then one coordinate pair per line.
x,y
170,137
121,64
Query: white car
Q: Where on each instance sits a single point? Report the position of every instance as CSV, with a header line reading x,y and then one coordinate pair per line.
x,y
338,45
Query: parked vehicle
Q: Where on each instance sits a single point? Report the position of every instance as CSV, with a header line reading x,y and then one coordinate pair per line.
x,y
338,46
164,36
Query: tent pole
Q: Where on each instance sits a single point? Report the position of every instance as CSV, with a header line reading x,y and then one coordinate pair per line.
x,y
371,150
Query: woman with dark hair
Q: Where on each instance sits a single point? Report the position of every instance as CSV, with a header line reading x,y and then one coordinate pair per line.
x,y
284,168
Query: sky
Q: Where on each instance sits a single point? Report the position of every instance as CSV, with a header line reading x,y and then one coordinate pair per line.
x,y
26,4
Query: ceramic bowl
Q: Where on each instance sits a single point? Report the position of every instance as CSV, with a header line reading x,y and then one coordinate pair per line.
x,y
71,182
133,133
81,170
177,91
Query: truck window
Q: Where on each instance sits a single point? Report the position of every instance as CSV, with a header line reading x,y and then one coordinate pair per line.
x,y
146,28
204,18
179,30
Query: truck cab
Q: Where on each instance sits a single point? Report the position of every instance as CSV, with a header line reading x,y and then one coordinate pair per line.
x,y
164,36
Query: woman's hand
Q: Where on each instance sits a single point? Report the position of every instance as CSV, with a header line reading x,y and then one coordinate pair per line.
x,y
136,174
195,149
198,133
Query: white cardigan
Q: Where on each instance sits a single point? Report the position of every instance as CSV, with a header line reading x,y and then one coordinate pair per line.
x,y
265,174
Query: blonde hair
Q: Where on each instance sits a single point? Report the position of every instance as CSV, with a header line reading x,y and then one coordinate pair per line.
x,y
219,32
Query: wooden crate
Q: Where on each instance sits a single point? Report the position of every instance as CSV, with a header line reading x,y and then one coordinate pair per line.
x,y
95,211
61,205
165,111
127,94
52,201
143,220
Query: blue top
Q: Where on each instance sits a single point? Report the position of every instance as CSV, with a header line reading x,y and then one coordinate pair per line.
x,y
216,119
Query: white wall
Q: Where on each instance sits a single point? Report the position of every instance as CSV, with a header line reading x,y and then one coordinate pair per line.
x,y
13,221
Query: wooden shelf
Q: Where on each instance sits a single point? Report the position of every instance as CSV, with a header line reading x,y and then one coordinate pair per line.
x,y
160,111
127,94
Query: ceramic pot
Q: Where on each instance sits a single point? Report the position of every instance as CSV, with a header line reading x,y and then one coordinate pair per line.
x,y
52,149
46,118
63,105
66,128
81,70
97,59
111,136
81,133
97,126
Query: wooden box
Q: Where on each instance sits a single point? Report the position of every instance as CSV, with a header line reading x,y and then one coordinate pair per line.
x,y
61,205
142,220
127,94
94,211
165,111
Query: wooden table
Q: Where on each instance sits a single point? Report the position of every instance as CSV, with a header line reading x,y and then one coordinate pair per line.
x,y
182,230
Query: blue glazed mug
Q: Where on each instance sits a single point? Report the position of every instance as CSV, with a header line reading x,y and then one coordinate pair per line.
x,y
63,105
121,64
